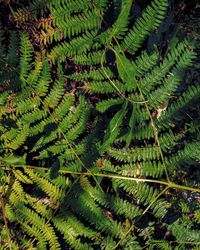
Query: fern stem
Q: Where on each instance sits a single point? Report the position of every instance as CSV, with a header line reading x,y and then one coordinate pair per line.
x,y
150,116
113,176
155,199
176,186
179,242
185,242
119,242
155,135
143,102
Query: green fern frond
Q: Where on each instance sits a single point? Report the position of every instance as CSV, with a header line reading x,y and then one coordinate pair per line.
x,y
135,154
145,62
29,217
98,135
42,85
183,103
117,205
150,20
53,191
20,137
13,50
26,57
76,46
105,105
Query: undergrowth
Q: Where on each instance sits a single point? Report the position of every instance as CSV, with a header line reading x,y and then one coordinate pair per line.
x,y
99,133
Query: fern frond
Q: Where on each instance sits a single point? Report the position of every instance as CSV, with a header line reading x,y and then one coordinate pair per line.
x,y
183,103
120,26
42,85
53,191
26,57
105,105
31,218
145,62
163,94
117,205
55,95
135,154
76,46
97,134
28,13
150,20
72,229
13,50
20,138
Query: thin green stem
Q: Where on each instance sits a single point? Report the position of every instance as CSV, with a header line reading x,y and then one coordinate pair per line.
x,y
185,242
179,242
115,176
142,102
176,186
119,242
155,199
155,135
151,118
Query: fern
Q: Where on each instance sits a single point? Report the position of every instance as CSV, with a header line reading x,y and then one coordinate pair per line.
x,y
25,59
98,138
150,19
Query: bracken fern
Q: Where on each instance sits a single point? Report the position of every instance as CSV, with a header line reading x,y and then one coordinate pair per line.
x,y
97,136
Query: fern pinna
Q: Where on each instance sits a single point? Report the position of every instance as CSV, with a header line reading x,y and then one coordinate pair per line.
x,y
98,135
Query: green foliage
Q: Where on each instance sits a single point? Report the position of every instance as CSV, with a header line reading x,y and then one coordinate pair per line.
x,y
98,138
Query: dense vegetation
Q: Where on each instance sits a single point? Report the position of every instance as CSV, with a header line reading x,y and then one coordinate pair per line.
x,y
99,131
